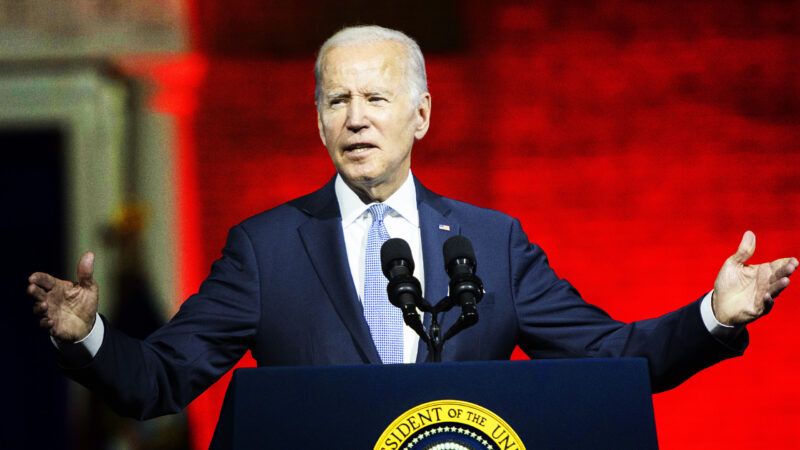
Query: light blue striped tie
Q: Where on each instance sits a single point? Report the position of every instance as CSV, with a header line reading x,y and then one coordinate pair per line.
x,y
384,319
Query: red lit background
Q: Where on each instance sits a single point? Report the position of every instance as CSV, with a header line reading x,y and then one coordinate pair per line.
x,y
635,141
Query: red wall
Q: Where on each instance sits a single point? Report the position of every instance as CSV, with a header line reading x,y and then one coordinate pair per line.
x,y
635,142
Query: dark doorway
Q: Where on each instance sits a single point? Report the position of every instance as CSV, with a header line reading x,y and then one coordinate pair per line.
x,y
33,231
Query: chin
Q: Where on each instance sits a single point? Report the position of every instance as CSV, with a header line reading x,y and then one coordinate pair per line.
x,y
363,177
366,181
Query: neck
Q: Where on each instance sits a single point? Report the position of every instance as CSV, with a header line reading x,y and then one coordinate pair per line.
x,y
369,194
379,192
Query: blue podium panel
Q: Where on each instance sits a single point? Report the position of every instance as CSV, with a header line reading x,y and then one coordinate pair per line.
x,y
550,404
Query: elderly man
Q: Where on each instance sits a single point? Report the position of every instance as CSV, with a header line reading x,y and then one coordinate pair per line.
x,y
299,284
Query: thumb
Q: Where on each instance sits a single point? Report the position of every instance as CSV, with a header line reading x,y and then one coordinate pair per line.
x,y
746,248
86,269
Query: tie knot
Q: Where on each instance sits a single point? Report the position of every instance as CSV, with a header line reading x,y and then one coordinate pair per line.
x,y
378,211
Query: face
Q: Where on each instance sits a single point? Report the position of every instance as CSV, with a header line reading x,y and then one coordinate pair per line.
x,y
367,118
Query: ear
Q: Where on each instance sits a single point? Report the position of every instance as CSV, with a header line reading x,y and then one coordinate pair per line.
x,y
423,113
319,127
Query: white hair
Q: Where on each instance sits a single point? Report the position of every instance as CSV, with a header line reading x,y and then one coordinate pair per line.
x,y
415,62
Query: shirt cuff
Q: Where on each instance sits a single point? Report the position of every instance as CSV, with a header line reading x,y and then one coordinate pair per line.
x,y
722,332
80,353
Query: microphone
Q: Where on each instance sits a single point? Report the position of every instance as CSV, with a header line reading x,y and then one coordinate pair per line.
x,y
396,258
465,287
404,290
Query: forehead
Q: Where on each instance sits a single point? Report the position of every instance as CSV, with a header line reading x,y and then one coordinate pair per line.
x,y
358,66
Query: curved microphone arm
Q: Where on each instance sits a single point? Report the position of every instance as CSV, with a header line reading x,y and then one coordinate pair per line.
x,y
405,292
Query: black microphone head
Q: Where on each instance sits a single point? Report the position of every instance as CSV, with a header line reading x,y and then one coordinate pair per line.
x,y
458,248
395,250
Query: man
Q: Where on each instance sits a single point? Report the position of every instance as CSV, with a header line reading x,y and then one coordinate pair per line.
x,y
297,284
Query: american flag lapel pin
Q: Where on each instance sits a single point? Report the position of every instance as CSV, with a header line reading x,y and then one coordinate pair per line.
x,y
444,227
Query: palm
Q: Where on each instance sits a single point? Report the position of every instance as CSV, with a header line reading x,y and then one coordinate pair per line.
x,y
68,307
743,293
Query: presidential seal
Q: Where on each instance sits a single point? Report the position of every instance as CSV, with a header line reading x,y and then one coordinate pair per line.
x,y
449,425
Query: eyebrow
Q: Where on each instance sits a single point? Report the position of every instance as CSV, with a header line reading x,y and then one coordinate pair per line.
x,y
383,93
339,94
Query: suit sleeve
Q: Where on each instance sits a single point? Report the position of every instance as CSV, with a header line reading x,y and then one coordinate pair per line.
x,y
208,335
555,322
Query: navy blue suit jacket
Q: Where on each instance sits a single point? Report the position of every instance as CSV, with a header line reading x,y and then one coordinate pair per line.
x,y
283,290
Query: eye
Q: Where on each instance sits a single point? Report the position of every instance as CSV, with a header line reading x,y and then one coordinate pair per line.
x,y
336,101
377,99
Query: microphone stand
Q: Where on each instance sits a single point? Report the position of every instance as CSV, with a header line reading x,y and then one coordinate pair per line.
x,y
404,291
433,339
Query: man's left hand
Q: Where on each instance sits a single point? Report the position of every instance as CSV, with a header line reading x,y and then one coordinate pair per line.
x,y
743,293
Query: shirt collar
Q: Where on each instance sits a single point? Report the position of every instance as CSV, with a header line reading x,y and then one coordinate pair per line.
x,y
403,202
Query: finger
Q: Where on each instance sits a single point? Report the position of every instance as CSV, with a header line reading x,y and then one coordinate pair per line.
x,y
46,323
37,292
768,304
776,288
43,280
783,268
39,308
86,269
746,248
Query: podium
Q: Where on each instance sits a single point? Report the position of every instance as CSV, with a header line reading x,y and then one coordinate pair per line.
x,y
543,404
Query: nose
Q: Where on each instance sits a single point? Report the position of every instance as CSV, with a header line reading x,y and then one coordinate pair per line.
x,y
356,115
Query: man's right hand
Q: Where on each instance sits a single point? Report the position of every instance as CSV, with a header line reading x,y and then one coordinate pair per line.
x,y
67,309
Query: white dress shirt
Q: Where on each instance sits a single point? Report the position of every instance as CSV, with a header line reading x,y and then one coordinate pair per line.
x,y
402,221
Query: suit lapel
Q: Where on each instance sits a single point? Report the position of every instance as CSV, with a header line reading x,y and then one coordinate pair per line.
x,y
332,267
436,226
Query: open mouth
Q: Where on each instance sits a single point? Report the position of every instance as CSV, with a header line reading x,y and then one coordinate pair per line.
x,y
358,147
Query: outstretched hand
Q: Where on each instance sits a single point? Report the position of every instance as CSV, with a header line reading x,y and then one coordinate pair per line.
x,y
743,293
67,309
